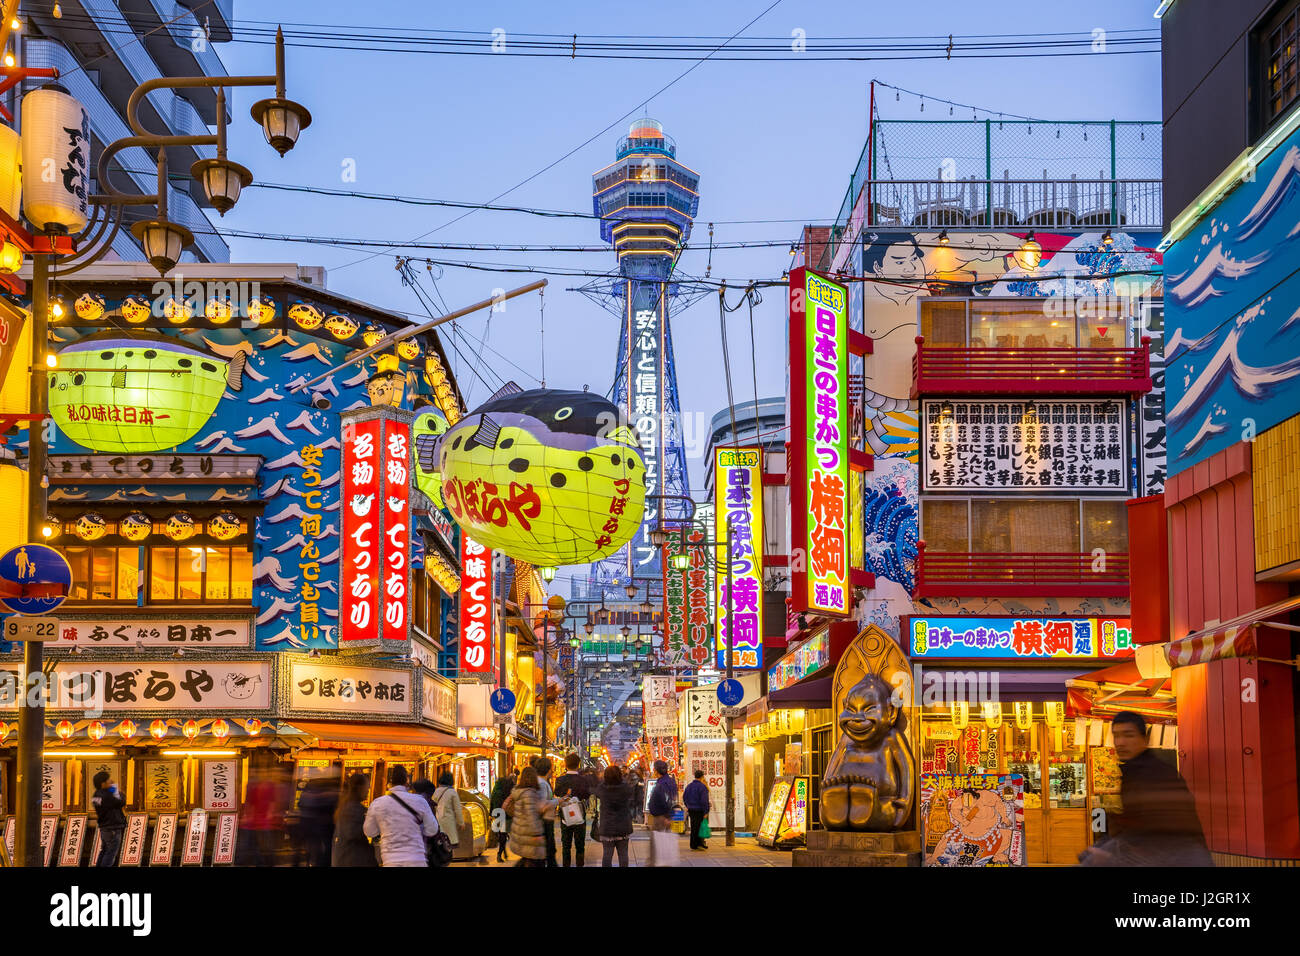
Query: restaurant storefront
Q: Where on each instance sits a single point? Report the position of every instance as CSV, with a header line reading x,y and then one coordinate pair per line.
x,y
993,696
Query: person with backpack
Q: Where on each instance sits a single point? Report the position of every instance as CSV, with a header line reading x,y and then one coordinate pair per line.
x,y
403,822
572,790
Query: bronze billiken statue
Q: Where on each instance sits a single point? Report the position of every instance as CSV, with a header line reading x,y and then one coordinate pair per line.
x,y
868,781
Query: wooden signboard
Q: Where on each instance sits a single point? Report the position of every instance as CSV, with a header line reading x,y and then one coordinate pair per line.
x,y
196,837
49,827
74,837
133,839
223,851
164,840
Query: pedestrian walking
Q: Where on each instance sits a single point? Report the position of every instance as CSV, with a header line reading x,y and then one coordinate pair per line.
x,y
320,800
108,803
527,828
1158,825
500,791
663,798
696,800
262,817
572,790
617,799
403,821
543,767
351,846
447,806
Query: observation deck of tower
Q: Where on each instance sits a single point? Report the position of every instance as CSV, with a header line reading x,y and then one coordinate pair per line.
x,y
646,201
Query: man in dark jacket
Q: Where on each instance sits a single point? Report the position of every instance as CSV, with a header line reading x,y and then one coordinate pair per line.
x,y
501,821
108,804
1158,825
696,800
662,800
573,784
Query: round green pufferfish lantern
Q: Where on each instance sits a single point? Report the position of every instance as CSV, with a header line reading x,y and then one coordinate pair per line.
x,y
546,476
133,392
429,426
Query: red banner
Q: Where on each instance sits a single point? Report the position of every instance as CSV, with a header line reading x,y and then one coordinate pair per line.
x,y
359,562
396,547
475,607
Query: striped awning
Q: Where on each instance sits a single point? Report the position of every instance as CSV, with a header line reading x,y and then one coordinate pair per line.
x,y
1234,638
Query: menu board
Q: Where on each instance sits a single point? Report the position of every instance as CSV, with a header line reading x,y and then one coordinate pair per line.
x,y
785,819
74,836
52,786
1105,770
223,852
133,840
196,837
91,768
973,819
164,839
220,784
160,782
49,827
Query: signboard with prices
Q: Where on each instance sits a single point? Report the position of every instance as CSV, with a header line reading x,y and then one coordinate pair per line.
x,y
1020,638
806,659
220,784
738,490
226,839
703,714
1014,446
164,840
133,839
819,444
120,632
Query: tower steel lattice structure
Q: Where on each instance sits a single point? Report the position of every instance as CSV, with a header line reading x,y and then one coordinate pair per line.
x,y
646,201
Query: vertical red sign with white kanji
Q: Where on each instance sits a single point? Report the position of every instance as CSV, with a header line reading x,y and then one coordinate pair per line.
x,y
475,607
396,549
362,509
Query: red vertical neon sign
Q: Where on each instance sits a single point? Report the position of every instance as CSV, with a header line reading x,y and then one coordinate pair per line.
x,y
475,607
359,587
396,546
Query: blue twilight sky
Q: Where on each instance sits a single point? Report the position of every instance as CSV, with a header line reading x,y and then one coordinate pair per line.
x,y
771,141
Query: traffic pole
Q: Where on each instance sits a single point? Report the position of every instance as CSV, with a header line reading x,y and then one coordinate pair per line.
x,y
31,708
503,761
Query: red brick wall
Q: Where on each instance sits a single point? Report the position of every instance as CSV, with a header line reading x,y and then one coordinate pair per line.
x,y
1237,756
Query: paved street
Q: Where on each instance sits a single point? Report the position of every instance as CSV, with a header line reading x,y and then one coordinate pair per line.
x,y
746,852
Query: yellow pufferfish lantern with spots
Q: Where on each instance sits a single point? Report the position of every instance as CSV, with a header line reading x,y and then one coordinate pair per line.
x,y
546,476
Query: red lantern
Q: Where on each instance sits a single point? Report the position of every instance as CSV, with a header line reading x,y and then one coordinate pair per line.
x,y
158,729
96,730
190,729
220,729
254,727
127,729
64,729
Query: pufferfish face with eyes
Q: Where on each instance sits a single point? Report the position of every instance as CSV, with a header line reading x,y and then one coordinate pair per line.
x,y
546,476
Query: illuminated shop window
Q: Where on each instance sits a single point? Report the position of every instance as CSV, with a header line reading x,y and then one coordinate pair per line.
x,y
104,574
194,574
1024,526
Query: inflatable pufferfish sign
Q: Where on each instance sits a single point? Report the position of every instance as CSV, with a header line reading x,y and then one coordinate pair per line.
x,y
546,476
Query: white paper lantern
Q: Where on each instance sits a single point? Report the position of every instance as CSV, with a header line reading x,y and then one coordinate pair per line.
x,y
56,160
11,180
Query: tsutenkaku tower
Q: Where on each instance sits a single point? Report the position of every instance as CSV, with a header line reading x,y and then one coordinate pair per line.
x,y
646,202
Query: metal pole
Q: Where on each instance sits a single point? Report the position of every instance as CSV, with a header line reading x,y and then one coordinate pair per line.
x,y
731,741
31,720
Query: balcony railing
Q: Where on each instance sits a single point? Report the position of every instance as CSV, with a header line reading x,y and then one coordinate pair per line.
x,y
962,574
1038,371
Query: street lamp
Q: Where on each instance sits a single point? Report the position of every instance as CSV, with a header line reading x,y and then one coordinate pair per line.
x,y
659,536
547,573
589,625
630,590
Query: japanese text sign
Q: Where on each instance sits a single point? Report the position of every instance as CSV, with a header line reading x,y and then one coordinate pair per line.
x,y
350,690
376,560
1020,638
819,444
475,600
738,490
688,625
1025,446
808,658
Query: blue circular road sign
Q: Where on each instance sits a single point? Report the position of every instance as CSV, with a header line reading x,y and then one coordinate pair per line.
x,y
503,700
730,692
34,579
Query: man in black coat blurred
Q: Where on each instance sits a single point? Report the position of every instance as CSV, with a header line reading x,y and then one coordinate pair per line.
x,y
1158,825
108,803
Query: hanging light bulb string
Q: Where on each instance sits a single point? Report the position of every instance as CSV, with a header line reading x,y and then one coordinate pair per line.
x,y
989,114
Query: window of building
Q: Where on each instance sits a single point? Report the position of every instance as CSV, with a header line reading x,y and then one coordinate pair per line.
x,y
1006,324
176,574
1024,525
944,323
104,574
1276,53
1027,322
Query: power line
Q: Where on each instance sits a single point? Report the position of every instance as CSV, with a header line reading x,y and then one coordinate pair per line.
x,y
583,144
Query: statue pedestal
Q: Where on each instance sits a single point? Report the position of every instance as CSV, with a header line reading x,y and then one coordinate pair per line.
x,y
846,848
